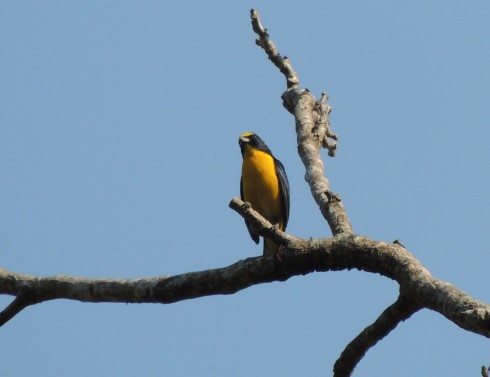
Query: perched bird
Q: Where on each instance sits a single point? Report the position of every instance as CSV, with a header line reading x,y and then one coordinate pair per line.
x,y
264,185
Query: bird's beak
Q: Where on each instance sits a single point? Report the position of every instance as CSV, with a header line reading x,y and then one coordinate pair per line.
x,y
243,140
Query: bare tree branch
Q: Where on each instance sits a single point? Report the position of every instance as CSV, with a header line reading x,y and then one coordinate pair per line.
x,y
270,48
345,251
313,132
312,129
300,257
23,300
261,226
401,310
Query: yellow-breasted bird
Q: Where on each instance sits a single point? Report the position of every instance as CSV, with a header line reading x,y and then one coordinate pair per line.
x,y
264,185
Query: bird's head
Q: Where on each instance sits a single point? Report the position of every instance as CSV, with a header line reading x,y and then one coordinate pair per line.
x,y
251,140
245,139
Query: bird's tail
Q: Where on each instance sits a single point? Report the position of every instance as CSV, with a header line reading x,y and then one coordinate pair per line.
x,y
270,248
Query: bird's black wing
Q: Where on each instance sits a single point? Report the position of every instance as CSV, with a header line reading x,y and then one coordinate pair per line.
x,y
254,236
284,189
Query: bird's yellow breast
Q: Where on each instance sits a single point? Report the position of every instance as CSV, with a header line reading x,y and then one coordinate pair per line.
x,y
260,184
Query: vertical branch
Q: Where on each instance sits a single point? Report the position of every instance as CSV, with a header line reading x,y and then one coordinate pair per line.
x,y
313,132
269,47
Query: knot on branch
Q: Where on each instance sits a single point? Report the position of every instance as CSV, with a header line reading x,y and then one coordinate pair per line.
x,y
322,130
333,211
332,196
320,133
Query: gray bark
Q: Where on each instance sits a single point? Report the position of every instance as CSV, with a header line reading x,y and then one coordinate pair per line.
x,y
344,251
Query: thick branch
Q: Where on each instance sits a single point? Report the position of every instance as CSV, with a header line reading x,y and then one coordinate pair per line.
x,y
299,257
312,129
401,310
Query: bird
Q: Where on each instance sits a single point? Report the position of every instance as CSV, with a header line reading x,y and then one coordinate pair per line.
x,y
264,184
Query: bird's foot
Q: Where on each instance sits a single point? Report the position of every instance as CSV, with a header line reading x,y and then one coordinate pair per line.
x,y
246,206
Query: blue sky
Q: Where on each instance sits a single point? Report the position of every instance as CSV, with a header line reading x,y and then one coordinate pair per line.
x,y
118,156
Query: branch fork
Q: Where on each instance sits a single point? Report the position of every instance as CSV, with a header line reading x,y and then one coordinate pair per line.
x,y
314,132
344,251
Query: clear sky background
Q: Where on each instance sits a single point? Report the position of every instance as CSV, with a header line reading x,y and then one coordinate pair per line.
x,y
119,123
